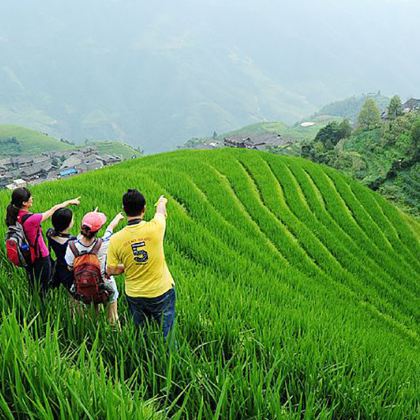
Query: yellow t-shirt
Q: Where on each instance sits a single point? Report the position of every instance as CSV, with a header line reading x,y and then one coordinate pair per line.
x,y
140,249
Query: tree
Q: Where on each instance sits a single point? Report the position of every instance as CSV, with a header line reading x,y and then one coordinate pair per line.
x,y
369,117
345,129
214,135
332,133
395,108
415,133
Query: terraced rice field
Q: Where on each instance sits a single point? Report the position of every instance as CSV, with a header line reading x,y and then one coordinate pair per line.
x,y
298,296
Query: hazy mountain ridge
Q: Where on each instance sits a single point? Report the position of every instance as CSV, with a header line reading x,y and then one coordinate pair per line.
x,y
157,75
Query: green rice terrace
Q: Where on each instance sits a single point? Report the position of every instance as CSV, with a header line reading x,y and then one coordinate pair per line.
x,y
298,297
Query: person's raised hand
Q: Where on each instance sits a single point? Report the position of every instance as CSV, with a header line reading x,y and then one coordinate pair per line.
x,y
74,201
118,218
162,199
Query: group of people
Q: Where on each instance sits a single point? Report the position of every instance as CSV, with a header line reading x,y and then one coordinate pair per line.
x,y
136,251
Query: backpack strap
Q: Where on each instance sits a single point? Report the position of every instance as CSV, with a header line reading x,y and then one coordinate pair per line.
x,y
73,248
25,217
49,233
35,245
97,246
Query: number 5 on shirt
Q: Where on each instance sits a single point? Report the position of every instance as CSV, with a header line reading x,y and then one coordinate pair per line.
x,y
140,255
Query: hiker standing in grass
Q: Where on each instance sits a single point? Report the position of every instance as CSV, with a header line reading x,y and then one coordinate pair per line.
x,y
58,238
137,251
86,257
38,265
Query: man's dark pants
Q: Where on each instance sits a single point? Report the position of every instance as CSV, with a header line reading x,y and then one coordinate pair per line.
x,y
160,309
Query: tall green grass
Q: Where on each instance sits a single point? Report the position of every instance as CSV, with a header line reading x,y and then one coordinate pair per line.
x,y
298,296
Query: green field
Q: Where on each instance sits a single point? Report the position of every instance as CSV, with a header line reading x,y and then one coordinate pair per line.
x,y
30,142
298,297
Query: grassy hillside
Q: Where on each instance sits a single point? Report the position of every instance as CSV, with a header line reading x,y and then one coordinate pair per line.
x,y
298,296
28,142
115,148
16,141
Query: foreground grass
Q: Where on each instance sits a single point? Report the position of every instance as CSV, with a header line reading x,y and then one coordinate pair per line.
x,y
298,295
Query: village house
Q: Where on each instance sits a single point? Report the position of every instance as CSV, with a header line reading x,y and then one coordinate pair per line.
x,y
52,165
36,171
71,162
411,105
6,163
18,183
255,142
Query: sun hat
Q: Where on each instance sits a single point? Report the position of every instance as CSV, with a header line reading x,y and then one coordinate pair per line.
x,y
94,220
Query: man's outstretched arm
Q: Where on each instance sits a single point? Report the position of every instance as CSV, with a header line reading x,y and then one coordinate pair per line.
x,y
161,205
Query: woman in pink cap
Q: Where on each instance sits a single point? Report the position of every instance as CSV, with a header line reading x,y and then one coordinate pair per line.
x,y
87,242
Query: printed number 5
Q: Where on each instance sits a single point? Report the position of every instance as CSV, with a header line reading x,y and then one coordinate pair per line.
x,y
140,255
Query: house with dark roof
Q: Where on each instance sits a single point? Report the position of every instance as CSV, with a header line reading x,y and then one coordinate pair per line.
x,y
90,165
6,163
411,105
35,171
23,162
5,180
71,162
256,142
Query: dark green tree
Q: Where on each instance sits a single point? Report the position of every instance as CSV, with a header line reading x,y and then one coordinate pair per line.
x,y
395,108
345,129
332,133
415,133
369,117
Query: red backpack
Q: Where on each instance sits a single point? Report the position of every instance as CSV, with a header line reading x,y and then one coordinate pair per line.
x,y
18,249
88,281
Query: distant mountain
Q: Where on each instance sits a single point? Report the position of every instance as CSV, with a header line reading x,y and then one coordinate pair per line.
x,y
349,108
154,75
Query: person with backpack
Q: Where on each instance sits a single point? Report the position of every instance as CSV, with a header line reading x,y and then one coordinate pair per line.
x,y
137,250
25,245
58,238
86,257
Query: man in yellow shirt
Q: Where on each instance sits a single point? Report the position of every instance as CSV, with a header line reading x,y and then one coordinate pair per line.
x,y
137,251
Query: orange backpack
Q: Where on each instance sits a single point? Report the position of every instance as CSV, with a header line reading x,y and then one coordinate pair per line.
x,y
88,281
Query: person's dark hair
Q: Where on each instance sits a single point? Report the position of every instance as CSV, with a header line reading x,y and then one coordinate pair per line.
x,y
87,233
133,203
19,196
61,220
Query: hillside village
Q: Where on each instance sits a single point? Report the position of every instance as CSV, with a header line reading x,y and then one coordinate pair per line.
x,y
272,140
21,170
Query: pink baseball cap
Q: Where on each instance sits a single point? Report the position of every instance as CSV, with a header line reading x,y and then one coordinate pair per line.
x,y
94,220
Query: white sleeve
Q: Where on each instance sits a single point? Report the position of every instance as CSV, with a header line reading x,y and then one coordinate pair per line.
x,y
106,237
69,257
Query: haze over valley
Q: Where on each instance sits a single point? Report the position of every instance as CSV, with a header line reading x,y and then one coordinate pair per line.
x,y
156,74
